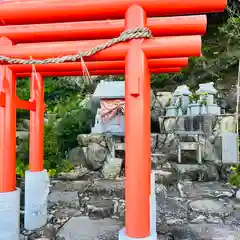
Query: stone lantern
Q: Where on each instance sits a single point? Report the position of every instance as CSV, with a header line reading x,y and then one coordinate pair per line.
x,y
207,92
180,101
182,97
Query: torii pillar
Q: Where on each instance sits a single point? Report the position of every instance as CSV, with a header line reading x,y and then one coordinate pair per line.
x,y
137,134
36,178
9,194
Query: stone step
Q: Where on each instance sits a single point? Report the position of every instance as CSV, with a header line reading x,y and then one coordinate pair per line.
x,y
114,188
196,172
98,208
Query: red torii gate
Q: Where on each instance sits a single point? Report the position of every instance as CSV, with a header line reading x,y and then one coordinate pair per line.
x,y
164,53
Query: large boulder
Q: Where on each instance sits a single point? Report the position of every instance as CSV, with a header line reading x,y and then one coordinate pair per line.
x,y
112,167
76,156
95,156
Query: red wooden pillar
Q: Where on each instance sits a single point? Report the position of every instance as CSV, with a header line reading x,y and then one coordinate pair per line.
x,y
8,131
36,150
137,132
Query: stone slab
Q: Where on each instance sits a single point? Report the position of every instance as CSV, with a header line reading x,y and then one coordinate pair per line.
x,y
64,198
208,189
210,206
205,232
83,228
114,188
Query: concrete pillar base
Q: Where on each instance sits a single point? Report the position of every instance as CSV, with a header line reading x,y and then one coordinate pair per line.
x,y
10,215
36,194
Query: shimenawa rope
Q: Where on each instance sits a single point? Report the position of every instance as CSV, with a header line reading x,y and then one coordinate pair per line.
x,y
124,36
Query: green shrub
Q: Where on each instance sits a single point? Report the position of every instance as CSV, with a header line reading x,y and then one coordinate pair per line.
x,y
21,168
70,126
51,152
54,162
72,118
234,178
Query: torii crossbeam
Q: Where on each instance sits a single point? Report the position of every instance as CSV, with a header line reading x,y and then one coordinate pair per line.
x,y
54,30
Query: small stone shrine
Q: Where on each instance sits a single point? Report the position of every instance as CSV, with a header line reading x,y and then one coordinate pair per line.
x,y
109,121
109,96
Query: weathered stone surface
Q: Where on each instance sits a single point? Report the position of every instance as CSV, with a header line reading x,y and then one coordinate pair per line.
x,y
208,189
74,174
198,219
160,191
64,198
119,209
215,232
67,213
164,98
196,172
214,220
205,232
202,207
85,139
95,156
234,219
210,206
112,167
23,135
164,177
227,124
113,188
69,186
46,233
154,138
100,208
168,210
83,228
153,98
158,159
76,156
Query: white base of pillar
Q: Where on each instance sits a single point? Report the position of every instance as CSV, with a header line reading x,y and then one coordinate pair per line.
x,y
122,236
10,215
36,195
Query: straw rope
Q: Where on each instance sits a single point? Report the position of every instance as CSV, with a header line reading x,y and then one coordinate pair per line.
x,y
124,36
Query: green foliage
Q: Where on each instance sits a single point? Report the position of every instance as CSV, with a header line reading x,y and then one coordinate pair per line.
x,y
54,161
193,98
51,152
23,88
204,98
157,80
71,119
21,168
234,178
70,126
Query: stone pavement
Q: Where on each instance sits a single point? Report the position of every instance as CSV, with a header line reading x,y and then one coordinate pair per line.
x,y
82,210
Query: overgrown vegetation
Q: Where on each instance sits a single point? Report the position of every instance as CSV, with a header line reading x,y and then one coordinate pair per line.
x,y
67,117
234,178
